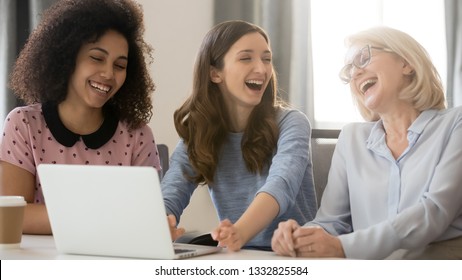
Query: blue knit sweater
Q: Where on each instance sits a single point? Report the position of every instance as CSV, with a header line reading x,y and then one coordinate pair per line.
x,y
289,179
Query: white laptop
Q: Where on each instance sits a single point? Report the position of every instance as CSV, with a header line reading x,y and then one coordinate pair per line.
x,y
115,211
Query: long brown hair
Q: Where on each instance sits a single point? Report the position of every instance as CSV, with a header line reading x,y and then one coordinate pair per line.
x,y
202,121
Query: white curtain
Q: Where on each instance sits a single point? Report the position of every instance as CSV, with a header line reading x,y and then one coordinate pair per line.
x,y
288,26
301,63
454,44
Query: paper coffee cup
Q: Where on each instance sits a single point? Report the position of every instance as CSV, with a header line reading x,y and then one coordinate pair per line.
x,y
11,218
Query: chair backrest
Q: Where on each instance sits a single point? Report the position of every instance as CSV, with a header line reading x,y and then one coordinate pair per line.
x,y
322,148
164,158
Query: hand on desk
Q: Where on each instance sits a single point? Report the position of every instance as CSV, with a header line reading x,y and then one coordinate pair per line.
x,y
228,235
290,239
174,231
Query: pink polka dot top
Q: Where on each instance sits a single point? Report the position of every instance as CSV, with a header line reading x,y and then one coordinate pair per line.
x,y
33,136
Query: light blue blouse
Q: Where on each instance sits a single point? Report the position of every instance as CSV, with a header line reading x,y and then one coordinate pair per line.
x,y
377,204
289,179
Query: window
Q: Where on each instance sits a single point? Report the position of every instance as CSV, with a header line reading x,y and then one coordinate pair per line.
x,y
333,20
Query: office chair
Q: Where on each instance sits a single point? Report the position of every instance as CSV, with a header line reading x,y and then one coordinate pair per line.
x,y
322,148
164,159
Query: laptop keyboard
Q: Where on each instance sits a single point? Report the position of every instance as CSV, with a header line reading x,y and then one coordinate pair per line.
x,y
180,251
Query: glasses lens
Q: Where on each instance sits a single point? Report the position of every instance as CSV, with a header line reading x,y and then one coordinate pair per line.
x,y
360,60
345,73
363,57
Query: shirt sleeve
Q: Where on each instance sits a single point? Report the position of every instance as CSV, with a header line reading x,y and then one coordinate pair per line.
x,y
291,160
334,214
145,152
16,141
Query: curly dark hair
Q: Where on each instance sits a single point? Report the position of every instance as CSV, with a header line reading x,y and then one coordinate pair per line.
x,y
202,121
42,71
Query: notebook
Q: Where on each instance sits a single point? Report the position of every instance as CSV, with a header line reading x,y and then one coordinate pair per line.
x,y
115,211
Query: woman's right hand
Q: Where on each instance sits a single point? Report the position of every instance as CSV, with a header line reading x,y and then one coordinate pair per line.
x,y
175,232
283,241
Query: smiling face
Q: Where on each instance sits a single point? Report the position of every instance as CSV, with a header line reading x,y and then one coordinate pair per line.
x,y
100,70
246,72
380,82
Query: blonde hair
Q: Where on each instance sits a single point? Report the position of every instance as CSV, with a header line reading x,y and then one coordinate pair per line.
x,y
425,90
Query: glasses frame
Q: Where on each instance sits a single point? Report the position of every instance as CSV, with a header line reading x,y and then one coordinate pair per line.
x,y
347,70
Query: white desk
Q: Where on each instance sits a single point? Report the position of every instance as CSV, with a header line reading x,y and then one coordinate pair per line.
x,y
35,247
42,247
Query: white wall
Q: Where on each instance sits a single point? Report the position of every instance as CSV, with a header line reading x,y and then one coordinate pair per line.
x,y
175,29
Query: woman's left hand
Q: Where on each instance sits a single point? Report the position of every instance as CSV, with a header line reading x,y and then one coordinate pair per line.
x,y
228,236
314,241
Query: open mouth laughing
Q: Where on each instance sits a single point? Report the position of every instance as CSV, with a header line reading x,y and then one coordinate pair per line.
x,y
367,85
254,84
100,87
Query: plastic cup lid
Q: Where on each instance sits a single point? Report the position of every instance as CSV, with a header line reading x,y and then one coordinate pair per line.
x,y
12,201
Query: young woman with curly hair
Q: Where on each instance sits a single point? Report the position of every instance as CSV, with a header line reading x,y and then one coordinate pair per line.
x,y
239,139
83,75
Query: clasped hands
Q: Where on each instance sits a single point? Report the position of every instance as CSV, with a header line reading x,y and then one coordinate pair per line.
x,y
291,239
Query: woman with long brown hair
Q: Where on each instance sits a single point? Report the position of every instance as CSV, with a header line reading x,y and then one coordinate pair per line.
x,y
239,139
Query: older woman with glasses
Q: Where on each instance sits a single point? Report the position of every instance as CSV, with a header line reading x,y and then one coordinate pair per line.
x,y
395,185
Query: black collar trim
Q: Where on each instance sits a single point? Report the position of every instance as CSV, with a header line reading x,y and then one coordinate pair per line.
x,y
68,138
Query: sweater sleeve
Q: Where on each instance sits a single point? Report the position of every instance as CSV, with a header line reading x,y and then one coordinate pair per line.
x,y
291,160
176,188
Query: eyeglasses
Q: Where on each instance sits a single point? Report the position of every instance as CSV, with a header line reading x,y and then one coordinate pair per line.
x,y
360,60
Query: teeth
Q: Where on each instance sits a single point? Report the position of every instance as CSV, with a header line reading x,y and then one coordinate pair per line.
x,y
257,82
100,87
367,84
254,84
